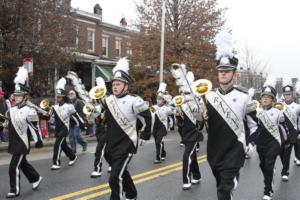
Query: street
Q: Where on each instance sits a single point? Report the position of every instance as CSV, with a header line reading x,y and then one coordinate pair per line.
x,y
154,181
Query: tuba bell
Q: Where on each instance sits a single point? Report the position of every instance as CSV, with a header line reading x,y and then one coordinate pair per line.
x,y
178,100
97,92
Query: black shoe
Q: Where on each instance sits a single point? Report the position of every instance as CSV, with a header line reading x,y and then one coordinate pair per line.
x,y
12,195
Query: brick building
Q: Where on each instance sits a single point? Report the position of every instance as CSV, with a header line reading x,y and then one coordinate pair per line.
x,y
98,46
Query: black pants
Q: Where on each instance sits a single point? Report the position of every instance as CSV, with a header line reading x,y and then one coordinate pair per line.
x,y
17,163
227,180
267,156
120,180
297,149
99,154
285,156
190,165
59,146
160,147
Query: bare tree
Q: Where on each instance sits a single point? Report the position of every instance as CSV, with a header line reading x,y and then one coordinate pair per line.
x,y
191,27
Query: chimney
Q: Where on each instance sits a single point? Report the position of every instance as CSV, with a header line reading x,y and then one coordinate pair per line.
x,y
98,10
123,22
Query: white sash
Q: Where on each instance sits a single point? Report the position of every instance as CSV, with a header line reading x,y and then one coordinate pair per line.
x,y
228,115
273,129
20,128
60,116
288,114
187,110
121,119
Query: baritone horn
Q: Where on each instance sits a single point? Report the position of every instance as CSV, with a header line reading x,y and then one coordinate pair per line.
x,y
200,88
178,100
88,109
97,92
279,106
45,104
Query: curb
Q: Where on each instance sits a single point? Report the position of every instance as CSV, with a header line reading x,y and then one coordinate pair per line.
x,y
48,143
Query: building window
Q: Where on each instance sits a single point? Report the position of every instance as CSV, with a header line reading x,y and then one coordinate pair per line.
x,y
129,49
118,48
91,40
105,46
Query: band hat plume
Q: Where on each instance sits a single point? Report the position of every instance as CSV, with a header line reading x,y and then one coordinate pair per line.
x,y
60,87
121,71
20,81
287,85
224,54
269,87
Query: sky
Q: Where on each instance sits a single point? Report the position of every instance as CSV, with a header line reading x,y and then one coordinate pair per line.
x,y
269,28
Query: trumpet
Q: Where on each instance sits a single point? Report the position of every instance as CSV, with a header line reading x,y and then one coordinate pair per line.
x,y
45,104
178,100
200,88
279,106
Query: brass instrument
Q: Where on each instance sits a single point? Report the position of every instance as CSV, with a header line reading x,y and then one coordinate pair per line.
x,y
45,104
200,88
88,109
178,100
152,109
97,92
38,109
279,106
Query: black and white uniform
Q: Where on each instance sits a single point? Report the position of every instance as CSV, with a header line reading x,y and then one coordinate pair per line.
x,y
122,140
226,137
23,126
291,114
269,137
159,128
101,130
189,114
62,114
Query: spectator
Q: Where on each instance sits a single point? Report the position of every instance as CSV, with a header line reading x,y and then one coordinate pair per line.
x,y
4,106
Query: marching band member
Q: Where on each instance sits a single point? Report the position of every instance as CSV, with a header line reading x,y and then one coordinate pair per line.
x,y
297,142
101,128
291,114
121,111
226,108
160,114
23,126
270,135
188,114
62,113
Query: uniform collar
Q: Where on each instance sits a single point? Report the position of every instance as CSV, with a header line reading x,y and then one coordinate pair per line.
x,y
226,92
268,108
122,95
288,103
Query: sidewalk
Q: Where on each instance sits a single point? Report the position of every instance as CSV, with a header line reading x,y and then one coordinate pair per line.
x,y
47,142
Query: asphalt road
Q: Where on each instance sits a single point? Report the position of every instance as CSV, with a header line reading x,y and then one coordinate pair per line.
x,y
154,182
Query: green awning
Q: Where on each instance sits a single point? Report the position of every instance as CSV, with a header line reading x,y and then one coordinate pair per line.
x,y
105,72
